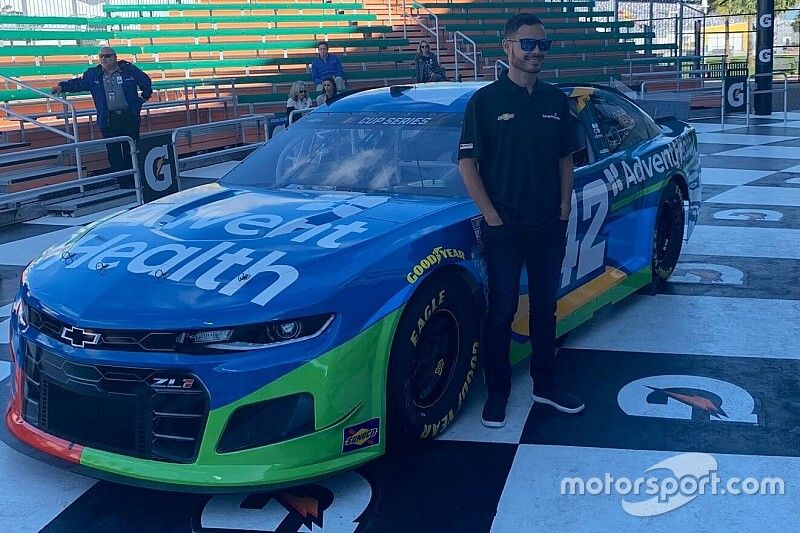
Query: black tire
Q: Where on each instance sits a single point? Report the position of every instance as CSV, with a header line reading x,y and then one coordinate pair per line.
x,y
433,362
668,234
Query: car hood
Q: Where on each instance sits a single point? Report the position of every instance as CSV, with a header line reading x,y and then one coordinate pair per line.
x,y
217,256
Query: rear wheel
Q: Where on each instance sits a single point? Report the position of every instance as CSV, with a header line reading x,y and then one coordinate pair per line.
x,y
433,361
668,238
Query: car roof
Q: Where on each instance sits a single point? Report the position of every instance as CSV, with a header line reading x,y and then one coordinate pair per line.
x,y
445,97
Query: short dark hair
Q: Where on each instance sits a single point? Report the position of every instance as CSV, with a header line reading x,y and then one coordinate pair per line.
x,y
517,21
321,43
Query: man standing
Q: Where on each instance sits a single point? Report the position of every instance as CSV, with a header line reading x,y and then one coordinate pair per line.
x,y
327,66
113,85
515,156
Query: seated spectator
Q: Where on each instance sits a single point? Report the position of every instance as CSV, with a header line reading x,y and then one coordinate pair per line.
x,y
328,91
298,98
428,68
327,66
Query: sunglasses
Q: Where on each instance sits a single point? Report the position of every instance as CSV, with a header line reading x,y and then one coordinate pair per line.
x,y
528,45
302,91
105,56
426,46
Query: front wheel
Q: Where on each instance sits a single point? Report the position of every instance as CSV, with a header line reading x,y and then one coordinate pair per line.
x,y
668,238
433,361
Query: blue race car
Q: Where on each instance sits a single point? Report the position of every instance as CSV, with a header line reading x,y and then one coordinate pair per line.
x,y
322,299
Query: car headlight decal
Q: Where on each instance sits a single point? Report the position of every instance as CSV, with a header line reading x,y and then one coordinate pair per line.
x,y
20,310
256,336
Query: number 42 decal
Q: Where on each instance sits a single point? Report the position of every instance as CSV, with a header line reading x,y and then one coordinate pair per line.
x,y
585,256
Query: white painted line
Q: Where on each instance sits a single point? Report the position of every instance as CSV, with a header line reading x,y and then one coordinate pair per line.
x,y
532,498
739,138
210,172
5,311
792,169
703,127
790,124
468,426
38,493
731,176
80,221
21,252
736,241
696,325
781,196
771,152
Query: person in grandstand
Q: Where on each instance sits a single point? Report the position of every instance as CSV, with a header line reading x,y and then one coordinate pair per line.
x,y
428,68
327,66
515,157
298,98
329,91
118,89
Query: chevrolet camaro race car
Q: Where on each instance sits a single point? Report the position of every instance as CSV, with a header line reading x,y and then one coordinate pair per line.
x,y
322,299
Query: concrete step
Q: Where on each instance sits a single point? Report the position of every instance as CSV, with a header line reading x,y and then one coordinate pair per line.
x,y
27,162
22,179
92,203
12,146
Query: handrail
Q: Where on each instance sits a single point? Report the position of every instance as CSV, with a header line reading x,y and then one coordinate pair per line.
x,y
678,60
67,105
36,153
212,126
748,92
298,113
433,31
458,52
497,64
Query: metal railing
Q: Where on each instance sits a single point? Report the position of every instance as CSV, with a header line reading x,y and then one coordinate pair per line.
x,y
703,88
458,53
36,154
296,114
67,107
189,101
195,161
698,61
752,78
497,65
419,19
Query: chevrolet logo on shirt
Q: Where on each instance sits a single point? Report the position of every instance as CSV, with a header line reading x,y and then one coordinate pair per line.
x,y
506,116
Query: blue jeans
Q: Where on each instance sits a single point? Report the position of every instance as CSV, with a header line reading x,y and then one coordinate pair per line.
x,y
506,250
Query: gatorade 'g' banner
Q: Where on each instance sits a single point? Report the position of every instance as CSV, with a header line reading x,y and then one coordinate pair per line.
x,y
157,166
735,94
765,33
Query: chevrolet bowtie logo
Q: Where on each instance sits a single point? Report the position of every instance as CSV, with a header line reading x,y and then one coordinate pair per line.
x,y
79,337
506,116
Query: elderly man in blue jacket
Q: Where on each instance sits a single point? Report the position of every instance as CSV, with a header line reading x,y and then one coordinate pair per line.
x,y
327,66
114,86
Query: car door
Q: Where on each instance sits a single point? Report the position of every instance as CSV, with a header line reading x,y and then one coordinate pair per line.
x,y
585,255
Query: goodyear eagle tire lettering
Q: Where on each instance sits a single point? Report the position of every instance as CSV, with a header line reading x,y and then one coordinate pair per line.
x,y
434,359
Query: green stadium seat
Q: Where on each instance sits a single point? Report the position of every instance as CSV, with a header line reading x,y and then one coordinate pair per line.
x,y
255,6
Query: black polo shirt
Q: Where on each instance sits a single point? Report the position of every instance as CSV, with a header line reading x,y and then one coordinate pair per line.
x,y
518,139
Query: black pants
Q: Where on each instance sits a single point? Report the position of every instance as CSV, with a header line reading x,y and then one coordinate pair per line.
x,y
119,154
506,250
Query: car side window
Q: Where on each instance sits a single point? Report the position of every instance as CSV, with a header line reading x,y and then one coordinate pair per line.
x,y
582,156
622,123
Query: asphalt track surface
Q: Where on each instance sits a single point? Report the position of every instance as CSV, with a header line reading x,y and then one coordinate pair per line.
x,y
699,382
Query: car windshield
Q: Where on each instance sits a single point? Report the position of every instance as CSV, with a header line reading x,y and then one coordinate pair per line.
x,y
411,153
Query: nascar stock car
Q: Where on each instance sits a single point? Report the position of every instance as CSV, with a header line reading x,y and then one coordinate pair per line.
x,y
322,299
